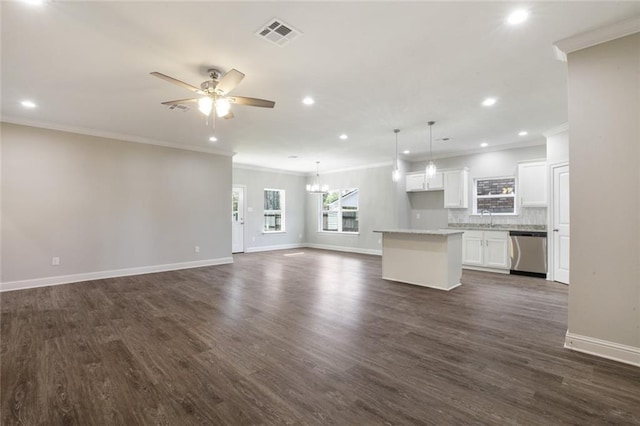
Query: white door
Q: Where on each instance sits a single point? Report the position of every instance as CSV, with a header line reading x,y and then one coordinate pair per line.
x,y
237,219
561,224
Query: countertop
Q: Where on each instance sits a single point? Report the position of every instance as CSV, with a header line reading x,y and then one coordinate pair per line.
x,y
485,227
444,232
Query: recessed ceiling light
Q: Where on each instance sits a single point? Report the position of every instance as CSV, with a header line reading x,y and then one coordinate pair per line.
x,y
406,151
28,104
34,2
518,17
484,144
308,100
489,101
213,139
523,133
343,136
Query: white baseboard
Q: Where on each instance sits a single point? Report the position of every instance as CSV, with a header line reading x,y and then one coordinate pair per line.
x,y
603,348
276,247
345,249
68,279
484,269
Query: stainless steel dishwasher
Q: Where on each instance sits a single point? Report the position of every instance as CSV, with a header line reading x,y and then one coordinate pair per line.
x,y
528,253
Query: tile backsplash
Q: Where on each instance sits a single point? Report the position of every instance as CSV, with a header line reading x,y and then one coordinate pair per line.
x,y
526,216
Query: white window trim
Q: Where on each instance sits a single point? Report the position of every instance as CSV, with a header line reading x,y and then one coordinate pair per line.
x,y
283,206
475,211
339,231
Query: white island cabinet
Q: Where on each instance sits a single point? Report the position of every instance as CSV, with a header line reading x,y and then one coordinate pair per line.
x,y
422,257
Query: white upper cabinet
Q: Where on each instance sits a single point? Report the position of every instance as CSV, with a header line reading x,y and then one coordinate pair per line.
x,y
532,184
419,182
415,182
456,189
435,183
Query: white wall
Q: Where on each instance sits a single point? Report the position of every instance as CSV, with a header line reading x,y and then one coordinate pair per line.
x,y
604,123
427,210
256,181
485,164
558,148
378,201
104,205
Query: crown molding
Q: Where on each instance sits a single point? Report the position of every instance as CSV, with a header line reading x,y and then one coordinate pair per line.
x,y
267,169
599,35
349,169
490,148
112,135
313,173
564,127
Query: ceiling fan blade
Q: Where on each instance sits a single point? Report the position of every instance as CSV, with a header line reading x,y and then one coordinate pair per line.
x,y
229,81
242,100
177,82
229,115
181,101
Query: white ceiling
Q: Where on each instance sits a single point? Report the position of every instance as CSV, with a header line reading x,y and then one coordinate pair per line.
x,y
371,67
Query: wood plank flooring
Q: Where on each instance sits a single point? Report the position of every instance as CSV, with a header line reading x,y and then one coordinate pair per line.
x,y
313,338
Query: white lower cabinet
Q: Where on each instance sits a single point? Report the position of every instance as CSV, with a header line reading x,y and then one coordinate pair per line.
x,y
486,249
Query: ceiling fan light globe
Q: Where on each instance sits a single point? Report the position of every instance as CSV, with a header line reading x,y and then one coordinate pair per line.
x,y
205,105
431,169
222,107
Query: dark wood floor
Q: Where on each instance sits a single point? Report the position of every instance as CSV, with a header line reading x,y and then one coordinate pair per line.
x,y
316,338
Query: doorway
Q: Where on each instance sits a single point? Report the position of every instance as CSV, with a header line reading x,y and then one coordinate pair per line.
x,y
560,222
237,219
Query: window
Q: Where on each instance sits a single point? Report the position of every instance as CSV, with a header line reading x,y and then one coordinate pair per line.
x,y
273,210
339,211
497,195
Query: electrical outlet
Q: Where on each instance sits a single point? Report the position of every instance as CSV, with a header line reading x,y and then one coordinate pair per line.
x,y
196,249
417,215
253,239
379,241
55,261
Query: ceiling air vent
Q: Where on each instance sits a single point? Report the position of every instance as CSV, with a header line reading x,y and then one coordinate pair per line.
x,y
277,32
178,107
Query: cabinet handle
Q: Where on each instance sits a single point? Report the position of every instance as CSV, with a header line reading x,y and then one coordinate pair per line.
x,y
556,230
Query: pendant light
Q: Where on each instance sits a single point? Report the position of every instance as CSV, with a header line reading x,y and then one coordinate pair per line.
x,y
395,175
316,188
431,167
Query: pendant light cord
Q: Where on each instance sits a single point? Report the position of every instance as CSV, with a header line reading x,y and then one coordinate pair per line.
x,y
396,131
431,123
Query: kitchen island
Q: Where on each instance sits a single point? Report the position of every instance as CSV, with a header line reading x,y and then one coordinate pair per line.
x,y
429,258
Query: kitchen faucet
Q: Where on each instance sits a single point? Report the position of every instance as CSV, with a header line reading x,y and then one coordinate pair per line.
x,y
490,217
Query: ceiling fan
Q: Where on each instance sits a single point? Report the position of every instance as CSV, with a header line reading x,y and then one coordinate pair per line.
x,y
213,93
